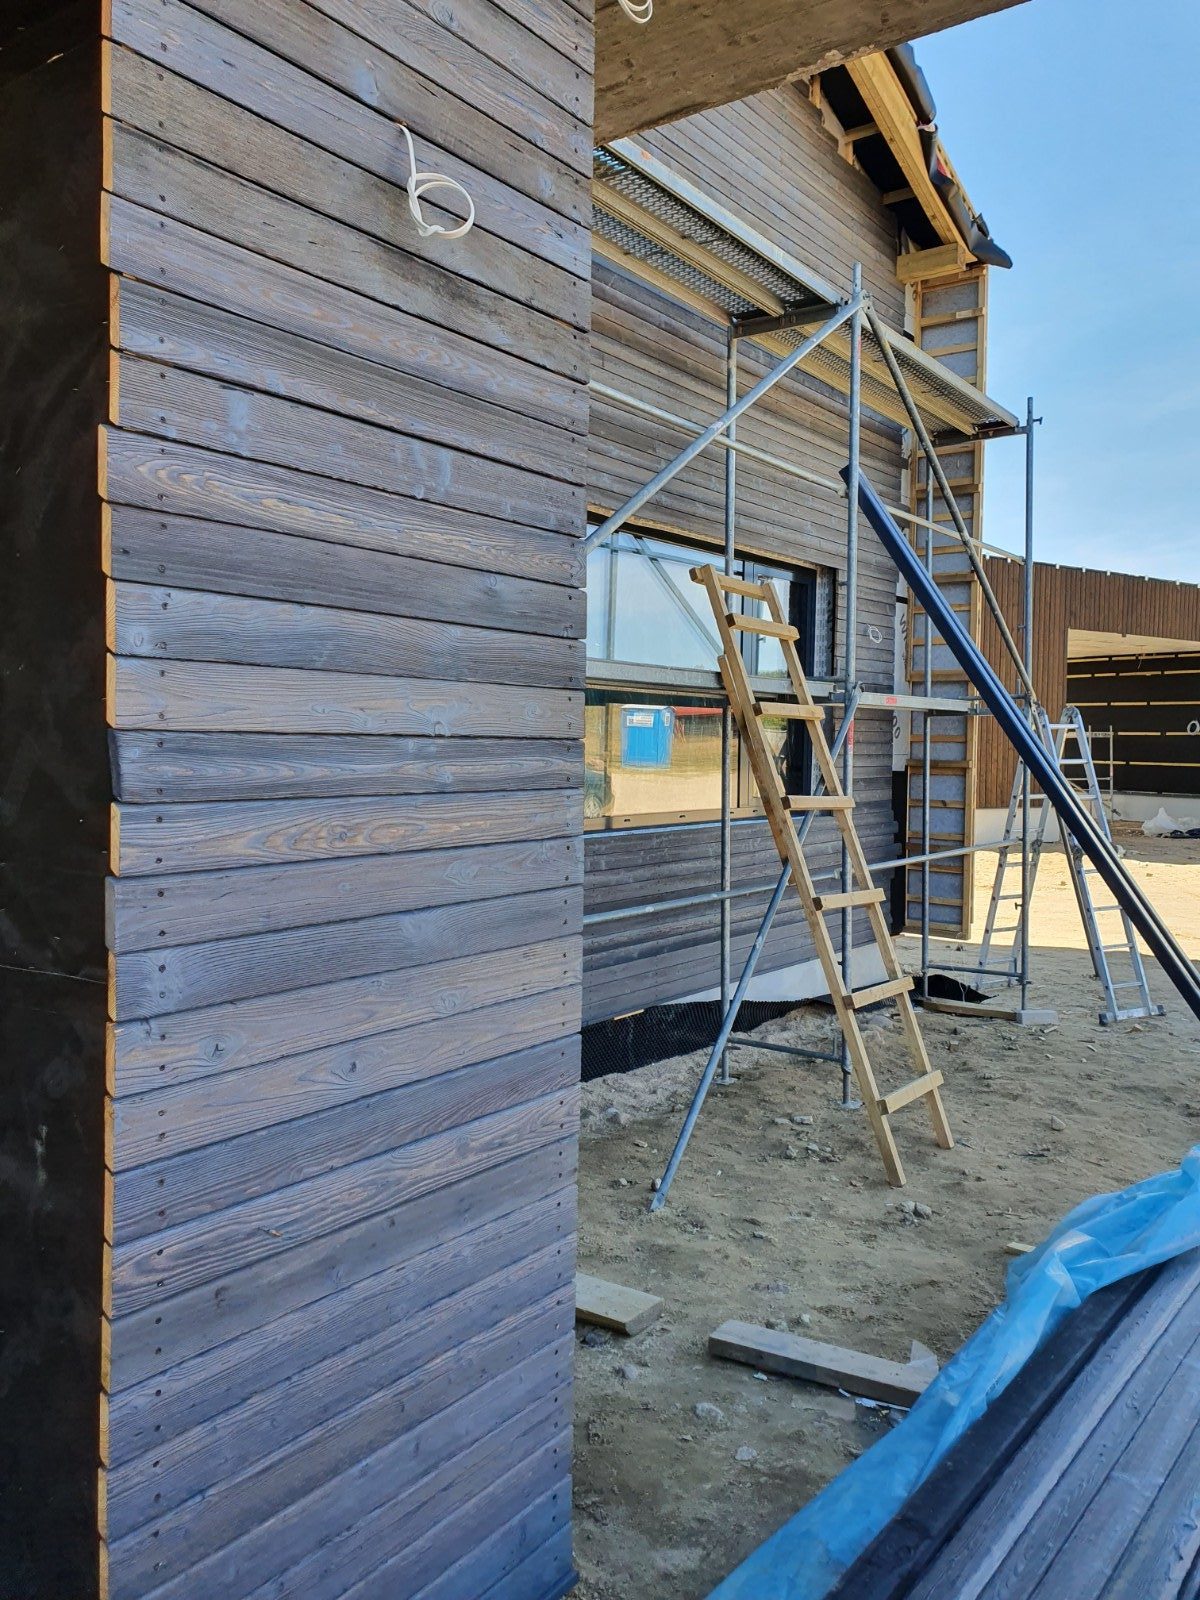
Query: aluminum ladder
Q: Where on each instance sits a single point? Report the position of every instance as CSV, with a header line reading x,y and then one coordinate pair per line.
x,y
1114,952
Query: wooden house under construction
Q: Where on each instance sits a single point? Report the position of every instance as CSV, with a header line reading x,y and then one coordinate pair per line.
x,y
320,733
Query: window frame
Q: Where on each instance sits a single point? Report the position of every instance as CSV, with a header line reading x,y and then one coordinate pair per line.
x,y
606,676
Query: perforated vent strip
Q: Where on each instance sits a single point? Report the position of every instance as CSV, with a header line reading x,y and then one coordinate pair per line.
x,y
932,389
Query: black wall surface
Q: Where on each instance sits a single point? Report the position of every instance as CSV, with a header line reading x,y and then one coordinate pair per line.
x,y
1149,703
54,794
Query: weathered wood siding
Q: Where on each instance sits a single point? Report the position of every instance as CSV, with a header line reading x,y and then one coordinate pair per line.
x,y
343,496
1085,599
770,160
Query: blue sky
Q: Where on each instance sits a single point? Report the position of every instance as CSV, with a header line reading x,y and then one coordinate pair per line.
x,y
1075,126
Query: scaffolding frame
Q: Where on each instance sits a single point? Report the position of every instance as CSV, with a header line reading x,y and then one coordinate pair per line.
x,y
856,310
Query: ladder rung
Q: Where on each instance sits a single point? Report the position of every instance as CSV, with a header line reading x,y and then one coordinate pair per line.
x,y
788,708
819,802
879,991
742,586
763,625
915,1090
855,897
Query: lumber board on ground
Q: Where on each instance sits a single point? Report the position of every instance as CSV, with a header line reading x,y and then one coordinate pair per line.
x,y
612,1305
791,1356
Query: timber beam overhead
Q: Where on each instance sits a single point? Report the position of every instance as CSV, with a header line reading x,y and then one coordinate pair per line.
x,y
698,54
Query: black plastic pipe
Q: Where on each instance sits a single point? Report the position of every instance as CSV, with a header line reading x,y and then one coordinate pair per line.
x,y
1099,850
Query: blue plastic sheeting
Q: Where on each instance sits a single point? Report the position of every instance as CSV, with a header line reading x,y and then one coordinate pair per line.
x,y
1102,1240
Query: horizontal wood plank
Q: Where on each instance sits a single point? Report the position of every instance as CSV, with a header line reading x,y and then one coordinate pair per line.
x,y
191,1392
197,1251
146,983
170,1547
173,1343
169,1121
197,1183
377,1357
163,251
154,767
149,398
174,184
184,1046
228,698
201,837
185,908
397,1522
220,557
332,87
166,478
513,233
163,624
148,322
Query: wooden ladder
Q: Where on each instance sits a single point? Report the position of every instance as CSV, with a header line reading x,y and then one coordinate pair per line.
x,y
781,808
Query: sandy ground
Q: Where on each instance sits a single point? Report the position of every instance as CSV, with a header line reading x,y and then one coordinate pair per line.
x,y
772,1221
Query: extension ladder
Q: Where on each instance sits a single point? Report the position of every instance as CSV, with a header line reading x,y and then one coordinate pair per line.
x,y
1116,959
781,809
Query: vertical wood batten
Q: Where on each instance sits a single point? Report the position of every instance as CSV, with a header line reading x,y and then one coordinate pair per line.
x,y
344,482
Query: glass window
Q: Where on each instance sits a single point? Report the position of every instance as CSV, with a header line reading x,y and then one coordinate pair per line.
x,y
653,750
651,755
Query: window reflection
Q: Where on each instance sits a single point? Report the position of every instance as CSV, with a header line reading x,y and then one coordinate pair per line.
x,y
653,752
651,755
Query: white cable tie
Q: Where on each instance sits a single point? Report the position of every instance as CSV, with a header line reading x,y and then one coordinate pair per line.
x,y
639,11
420,183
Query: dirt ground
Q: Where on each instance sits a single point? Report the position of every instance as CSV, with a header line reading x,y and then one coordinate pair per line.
x,y
771,1221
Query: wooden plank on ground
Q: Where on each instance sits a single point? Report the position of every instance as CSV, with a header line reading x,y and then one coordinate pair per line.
x,y
791,1356
612,1305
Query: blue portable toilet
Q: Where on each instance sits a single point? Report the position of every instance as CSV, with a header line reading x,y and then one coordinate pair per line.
x,y
646,733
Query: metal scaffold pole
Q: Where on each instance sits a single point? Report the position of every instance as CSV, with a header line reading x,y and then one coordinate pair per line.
x,y
1027,658
926,756
850,650
731,384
